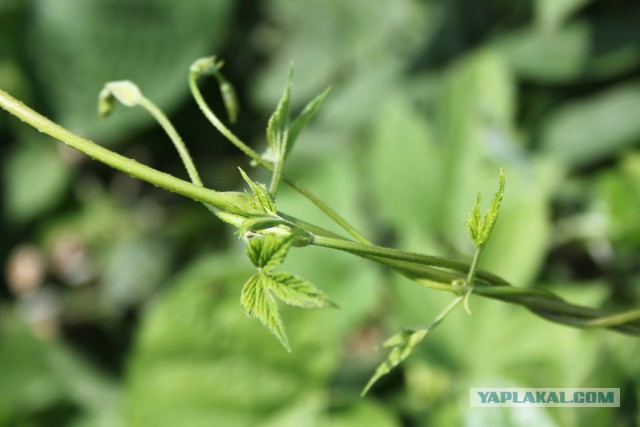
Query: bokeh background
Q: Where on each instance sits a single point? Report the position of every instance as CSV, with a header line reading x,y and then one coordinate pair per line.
x,y
119,303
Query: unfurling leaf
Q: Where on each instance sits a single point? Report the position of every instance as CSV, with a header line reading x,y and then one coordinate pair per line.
x,y
261,199
402,345
259,303
268,252
278,127
296,291
302,120
480,227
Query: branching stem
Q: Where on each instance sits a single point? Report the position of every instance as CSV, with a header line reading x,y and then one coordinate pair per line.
x,y
431,271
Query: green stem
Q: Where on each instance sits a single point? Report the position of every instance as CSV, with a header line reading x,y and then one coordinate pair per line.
x,y
116,161
470,277
178,143
444,313
390,253
474,266
275,177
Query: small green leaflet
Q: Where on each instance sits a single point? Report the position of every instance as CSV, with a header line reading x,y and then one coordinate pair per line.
x,y
480,228
269,252
296,291
261,199
259,293
402,345
258,302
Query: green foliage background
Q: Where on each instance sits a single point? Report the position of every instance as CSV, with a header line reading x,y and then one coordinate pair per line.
x,y
131,313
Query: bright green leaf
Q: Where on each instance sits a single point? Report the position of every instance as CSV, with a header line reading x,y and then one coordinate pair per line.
x,y
300,122
259,303
296,291
268,252
261,200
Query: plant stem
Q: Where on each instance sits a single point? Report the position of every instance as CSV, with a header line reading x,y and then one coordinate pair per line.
x,y
171,131
470,277
390,253
474,266
116,161
445,312
275,177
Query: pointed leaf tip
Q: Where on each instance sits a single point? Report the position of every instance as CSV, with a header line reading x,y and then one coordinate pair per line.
x,y
259,303
301,121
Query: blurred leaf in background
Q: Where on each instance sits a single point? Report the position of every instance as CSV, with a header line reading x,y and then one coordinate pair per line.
x,y
74,47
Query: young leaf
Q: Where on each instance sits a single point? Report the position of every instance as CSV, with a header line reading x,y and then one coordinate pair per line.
x,y
261,199
278,126
268,252
296,291
302,120
480,227
402,345
259,303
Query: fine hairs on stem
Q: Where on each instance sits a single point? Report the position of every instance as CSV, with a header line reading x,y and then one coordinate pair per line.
x,y
271,233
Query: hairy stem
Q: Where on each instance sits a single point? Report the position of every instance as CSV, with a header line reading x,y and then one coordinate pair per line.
x,y
116,161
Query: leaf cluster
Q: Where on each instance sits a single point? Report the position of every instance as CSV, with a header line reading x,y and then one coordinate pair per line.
x,y
262,290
